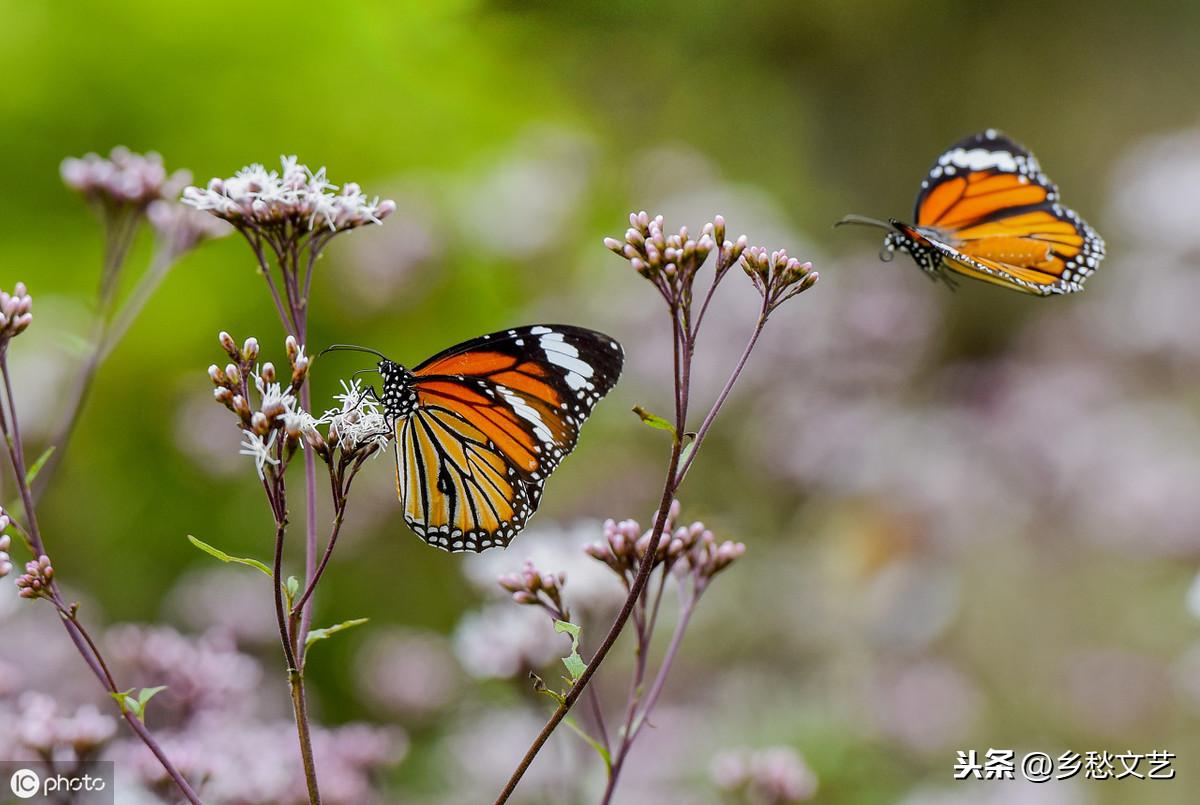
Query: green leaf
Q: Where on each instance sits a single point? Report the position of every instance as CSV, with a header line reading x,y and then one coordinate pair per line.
x,y
653,420
33,471
539,685
687,448
146,694
123,699
291,587
592,742
574,663
686,452
224,557
129,704
330,631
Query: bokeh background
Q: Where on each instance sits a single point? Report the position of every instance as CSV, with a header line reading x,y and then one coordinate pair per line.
x,y
972,519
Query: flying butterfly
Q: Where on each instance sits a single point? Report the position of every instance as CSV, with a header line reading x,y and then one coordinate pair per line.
x,y
480,426
987,211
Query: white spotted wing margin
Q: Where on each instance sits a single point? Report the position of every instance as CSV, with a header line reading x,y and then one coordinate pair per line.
x,y
495,416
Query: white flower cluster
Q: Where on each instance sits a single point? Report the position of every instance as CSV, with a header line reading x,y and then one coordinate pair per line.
x,y
359,421
258,197
123,178
278,404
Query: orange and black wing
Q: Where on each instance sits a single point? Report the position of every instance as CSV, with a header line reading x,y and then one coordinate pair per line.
x,y
993,215
495,416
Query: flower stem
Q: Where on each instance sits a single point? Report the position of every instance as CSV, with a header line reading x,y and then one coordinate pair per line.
x,y
310,527
300,708
733,378
294,622
119,235
664,668
684,336
75,630
614,631
634,725
147,284
295,670
316,576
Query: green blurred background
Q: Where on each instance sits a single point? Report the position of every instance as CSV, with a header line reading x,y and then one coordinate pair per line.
x,y
514,136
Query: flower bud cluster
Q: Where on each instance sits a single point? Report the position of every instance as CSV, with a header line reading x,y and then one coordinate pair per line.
x,y
672,260
123,179
276,411
5,543
16,312
776,276
531,586
625,545
687,550
294,196
36,581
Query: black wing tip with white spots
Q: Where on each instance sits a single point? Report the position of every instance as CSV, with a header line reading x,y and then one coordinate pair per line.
x,y
992,140
990,150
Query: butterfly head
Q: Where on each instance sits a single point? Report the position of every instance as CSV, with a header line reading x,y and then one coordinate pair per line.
x,y
398,397
905,238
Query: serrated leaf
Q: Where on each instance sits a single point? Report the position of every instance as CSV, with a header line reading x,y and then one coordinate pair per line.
x,y
224,557
33,471
573,662
330,631
600,748
653,420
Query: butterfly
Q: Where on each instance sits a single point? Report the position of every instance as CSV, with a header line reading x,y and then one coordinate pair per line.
x,y
987,211
480,426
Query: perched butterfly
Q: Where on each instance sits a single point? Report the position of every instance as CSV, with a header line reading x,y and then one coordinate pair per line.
x,y
987,211
480,426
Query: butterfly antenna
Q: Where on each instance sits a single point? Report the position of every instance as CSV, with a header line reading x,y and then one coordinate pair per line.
x,y
351,348
862,220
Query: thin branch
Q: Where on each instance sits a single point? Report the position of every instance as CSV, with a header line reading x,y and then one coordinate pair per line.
x,y
733,378
264,267
120,230
316,577
83,642
664,668
614,631
147,284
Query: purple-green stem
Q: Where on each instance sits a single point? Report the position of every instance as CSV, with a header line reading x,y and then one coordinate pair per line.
x,y
75,630
294,318
119,235
635,719
684,338
682,350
